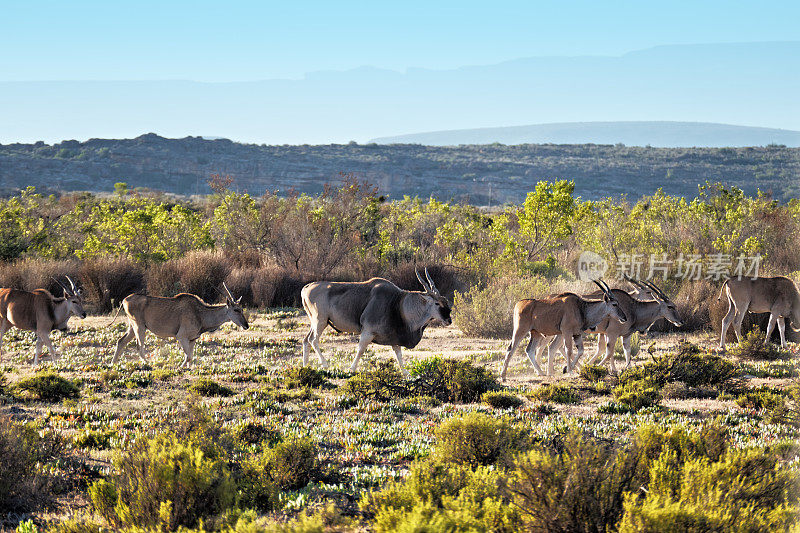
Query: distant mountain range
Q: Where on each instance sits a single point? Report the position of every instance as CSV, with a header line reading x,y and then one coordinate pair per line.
x,y
480,174
738,83
664,134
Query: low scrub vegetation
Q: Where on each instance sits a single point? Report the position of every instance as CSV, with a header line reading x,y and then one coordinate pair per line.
x,y
25,482
48,386
753,347
556,393
209,387
163,483
502,399
447,380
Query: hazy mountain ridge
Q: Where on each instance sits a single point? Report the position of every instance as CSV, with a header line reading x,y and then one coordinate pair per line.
x,y
639,133
752,83
480,174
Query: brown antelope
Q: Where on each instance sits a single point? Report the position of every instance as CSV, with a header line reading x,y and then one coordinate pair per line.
x,y
777,296
377,310
567,315
41,312
183,317
641,315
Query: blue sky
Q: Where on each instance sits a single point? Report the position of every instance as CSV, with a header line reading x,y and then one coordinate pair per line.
x,y
62,64
236,41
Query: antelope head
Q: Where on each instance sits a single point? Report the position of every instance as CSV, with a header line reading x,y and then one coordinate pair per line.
x,y
438,307
612,305
235,309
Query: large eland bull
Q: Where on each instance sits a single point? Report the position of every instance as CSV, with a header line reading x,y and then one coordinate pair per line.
x,y
183,317
39,311
377,309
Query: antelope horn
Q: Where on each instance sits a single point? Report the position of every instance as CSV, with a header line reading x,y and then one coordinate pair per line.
x,y
422,281
434,290
607,288
66,290
227,290
599,285
72,283
658,291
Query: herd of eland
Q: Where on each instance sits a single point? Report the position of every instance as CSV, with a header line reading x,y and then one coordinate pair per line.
x,y
380,312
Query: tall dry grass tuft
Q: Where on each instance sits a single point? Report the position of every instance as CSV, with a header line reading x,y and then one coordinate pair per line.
x,y
200,272
30,274
107,281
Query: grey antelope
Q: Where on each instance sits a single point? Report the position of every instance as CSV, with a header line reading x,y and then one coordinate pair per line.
x,y
377,310
567,315
183,317
39,311
641,315
777,296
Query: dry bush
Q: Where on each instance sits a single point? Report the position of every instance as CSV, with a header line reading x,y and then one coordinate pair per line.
x,y
488,312
266,286
107,281
286,285
30,274
694,301
200,272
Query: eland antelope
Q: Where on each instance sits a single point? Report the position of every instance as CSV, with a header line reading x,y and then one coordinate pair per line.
x,y
777,296
41,312
641,315
377,309
183,317
567,315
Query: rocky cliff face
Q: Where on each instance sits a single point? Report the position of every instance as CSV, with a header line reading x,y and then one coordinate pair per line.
x,y
481,174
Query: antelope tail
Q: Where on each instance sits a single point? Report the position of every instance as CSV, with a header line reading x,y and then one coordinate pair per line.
x,y
115,315
722,289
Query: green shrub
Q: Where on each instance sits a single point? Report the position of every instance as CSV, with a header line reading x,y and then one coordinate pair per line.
x,y
24,484
49,387
501,399
254,432
752,347
76,525
161,482
291,464
637,394
686,365
305,376
593,373
761,398
476,439
209,387
577,485
487,312
744,490
382,382
442,496
556,393
325,520
451,380
100,440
